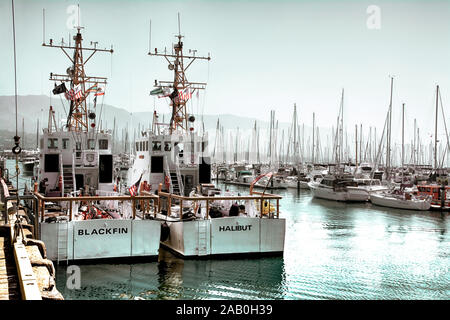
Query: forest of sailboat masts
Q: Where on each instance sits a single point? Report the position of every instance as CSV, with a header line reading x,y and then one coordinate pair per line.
x,y
306,140
303,141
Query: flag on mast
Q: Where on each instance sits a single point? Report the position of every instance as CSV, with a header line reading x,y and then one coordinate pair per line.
x,y
157,91
100,92
134,189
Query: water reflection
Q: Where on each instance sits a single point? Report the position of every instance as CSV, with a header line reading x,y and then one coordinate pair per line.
x,y
332,251
175,278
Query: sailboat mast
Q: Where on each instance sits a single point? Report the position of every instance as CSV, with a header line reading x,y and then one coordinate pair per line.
x,y
295,133
388,150
435,129
356,146
314,126
37,135
403,135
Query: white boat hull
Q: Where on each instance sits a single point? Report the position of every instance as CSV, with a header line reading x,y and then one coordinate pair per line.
x,y
101,238
351,195
295,185
387,201
226,236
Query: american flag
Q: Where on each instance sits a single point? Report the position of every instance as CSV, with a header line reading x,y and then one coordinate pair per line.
x,y
74,94
69,94
135,187
186,95
78,93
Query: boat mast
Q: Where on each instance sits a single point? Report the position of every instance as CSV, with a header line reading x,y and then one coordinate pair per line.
x,y
77,119
435,129
403,135
356,146
313,144
37,135
295,136
388,149
182,88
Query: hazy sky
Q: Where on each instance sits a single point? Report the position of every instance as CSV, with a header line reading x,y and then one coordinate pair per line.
x,y
265,55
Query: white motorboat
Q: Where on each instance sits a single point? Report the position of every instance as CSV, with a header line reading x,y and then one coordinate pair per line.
x,y
28,164
338,189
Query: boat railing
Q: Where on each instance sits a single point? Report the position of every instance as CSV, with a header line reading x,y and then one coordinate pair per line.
x,y
73,173
147,204
263,199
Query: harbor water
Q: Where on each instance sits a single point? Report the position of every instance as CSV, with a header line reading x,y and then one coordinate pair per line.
x,y
332,251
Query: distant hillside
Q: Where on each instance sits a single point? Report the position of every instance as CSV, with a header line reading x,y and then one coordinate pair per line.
x,y
33,107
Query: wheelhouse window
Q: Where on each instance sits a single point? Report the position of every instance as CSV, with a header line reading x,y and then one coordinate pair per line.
x,y
103,144
65,143
52,143
78,147
137,146
167,146
156,146
146,145
91,144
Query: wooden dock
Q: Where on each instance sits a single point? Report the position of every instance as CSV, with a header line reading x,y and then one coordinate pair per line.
x,y
25,271
9,281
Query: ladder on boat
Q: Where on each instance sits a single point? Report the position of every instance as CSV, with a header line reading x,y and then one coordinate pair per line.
x,y
68,174
63,242
174,176
178,174
175,183
202,237
67,178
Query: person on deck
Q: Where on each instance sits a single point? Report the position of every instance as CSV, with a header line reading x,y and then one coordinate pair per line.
x,y
43,186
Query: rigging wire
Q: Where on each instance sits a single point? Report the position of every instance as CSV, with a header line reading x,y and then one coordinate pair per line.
x,y
16,149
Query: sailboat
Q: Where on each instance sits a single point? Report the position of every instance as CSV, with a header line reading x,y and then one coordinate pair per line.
x,y
401,199
439,189
338,185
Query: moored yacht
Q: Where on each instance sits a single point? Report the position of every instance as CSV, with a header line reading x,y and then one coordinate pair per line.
x,y
338,188
401,199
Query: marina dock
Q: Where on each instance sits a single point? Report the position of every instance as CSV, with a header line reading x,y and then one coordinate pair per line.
x,y
25,271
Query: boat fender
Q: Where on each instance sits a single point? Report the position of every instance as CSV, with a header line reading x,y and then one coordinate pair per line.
x,y
165,232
